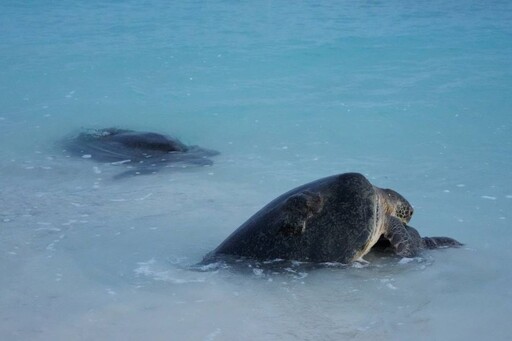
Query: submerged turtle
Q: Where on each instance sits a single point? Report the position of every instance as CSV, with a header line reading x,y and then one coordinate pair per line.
x,y
334,219
145,152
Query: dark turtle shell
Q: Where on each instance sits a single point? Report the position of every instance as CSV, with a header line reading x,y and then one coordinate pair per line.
x,y
113,145
335,234
145,151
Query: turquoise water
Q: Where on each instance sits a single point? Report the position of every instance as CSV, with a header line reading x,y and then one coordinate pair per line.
x,y
415,95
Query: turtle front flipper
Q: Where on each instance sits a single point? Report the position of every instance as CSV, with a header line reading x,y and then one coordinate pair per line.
x,y
297,209
405,240
440,242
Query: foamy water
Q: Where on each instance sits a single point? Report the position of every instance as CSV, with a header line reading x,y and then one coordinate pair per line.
x,y
414,96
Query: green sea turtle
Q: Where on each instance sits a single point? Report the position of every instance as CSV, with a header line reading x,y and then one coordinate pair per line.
x,y
142,152
334,219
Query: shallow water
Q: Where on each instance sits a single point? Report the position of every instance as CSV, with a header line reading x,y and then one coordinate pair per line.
x,y
415,96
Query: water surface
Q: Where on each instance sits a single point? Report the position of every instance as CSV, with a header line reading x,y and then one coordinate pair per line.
x,y
416,96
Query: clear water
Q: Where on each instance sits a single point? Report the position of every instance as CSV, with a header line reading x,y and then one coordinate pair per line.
x,y
416,95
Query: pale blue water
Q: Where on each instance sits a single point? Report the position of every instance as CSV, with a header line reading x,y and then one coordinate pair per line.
x,y
416,95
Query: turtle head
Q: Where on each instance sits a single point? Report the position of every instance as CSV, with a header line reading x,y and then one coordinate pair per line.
x,y
398,206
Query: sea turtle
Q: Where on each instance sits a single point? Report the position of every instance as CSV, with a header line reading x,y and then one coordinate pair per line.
x,y
334,219
143,152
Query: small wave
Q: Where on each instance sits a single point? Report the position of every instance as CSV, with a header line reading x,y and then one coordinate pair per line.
x,y
149,269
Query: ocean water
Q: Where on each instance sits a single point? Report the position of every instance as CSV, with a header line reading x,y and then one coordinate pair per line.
x,y
415,95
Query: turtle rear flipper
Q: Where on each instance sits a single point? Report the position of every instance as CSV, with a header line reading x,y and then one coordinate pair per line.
x,y
297,209
440,242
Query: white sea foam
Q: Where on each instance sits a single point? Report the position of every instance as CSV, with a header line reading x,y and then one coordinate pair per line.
x,y
213,335
147,269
